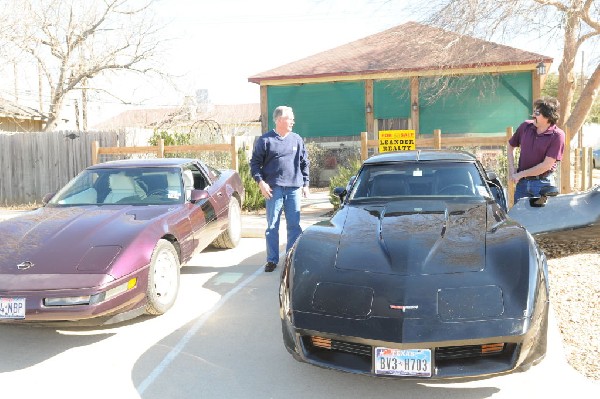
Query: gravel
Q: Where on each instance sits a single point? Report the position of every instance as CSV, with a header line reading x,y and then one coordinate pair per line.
x,y
575,299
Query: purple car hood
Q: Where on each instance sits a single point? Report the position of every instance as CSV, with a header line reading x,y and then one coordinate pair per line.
x,y
58,240
414,237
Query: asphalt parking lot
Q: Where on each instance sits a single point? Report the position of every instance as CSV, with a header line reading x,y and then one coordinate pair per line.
x,y
223,339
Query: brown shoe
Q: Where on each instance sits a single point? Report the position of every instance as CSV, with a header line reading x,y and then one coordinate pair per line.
x,y
270,266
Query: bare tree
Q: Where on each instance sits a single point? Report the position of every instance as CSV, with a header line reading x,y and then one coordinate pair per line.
x,y
572,22
71,42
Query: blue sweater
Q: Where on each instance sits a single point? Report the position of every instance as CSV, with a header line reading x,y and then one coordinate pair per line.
x,y
280,161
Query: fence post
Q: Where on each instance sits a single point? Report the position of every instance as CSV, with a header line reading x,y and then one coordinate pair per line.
x,y
95,152
364,149
510,186
234,158
160,151
586,170
565,166
437,139
578,176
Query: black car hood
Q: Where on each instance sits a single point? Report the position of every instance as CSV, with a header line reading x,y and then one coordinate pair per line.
x,y
409,237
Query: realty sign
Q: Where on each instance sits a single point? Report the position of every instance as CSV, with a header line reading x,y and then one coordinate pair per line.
x,y
396,140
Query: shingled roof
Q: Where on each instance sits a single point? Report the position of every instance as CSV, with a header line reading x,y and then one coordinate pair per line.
x,y
408,48
153,117
16,111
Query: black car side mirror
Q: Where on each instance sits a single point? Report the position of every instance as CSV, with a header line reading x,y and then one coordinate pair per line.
x,y
545,192
340,192
491,175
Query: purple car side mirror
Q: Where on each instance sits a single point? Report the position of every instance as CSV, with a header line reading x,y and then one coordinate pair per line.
x,y
198,195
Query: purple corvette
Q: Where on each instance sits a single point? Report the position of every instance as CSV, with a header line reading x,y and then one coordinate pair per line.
x,y
109,245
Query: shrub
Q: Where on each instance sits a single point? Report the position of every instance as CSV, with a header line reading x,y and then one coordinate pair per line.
x,y
169,139
253,199
316,156
341,180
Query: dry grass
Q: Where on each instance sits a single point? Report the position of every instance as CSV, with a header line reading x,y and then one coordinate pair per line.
x,y
22,207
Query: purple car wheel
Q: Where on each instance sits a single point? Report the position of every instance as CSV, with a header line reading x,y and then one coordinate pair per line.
x,y
230,238
163,278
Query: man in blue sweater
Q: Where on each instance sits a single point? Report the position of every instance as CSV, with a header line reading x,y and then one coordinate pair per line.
x,y
279,165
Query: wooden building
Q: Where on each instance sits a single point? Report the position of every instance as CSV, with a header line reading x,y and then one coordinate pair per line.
x,y
412,76
19,118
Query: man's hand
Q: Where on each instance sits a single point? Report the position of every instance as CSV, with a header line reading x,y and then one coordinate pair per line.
x,y
305,192
265,189
516,177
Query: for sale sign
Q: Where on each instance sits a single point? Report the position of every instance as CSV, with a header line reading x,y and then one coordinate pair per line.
x,y
396,140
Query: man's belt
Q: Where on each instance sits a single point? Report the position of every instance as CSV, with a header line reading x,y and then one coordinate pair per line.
x,y
538,177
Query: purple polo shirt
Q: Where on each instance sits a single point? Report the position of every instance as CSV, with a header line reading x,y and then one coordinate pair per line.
x,y
536,147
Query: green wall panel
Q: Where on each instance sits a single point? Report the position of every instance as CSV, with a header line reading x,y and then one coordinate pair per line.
x,y
482,104
322,109
391,99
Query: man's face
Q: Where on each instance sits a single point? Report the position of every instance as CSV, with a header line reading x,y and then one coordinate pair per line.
x,y
538,118
285,122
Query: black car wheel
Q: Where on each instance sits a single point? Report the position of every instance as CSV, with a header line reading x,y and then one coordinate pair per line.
x,y
163,278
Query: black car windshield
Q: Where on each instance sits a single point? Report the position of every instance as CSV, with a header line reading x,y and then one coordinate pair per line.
x,y
423,179
123,186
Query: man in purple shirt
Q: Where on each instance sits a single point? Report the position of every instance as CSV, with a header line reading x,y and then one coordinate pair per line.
x,y
542,145
279,165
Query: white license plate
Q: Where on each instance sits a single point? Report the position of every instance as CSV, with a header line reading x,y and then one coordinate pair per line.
x,y
403,362
12,308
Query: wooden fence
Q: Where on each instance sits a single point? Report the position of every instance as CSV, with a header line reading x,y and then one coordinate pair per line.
x,y
161,149
33,164
435,141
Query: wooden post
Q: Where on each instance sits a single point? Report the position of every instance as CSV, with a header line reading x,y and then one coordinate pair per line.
x,y
578,180
234,158
510,185
586,168
536,84
590,158
94,152
364,150
160,151
264,109
369,106
565,166
414,99
437,139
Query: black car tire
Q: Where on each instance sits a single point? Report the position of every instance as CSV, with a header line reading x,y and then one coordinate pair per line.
x,y
163,278
230,238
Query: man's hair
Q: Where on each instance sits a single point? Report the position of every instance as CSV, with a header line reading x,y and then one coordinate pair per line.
x,y
280,111
548,106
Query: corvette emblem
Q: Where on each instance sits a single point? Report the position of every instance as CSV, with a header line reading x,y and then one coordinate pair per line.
x,y
25,265
404,308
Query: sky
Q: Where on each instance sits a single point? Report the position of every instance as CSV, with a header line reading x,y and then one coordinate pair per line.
x,y
220,44
216,45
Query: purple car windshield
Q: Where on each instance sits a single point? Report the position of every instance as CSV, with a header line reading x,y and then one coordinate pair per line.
x,y
123,186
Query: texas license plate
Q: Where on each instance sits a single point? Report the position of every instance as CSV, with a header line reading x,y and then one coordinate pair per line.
x,y
403,362
12,308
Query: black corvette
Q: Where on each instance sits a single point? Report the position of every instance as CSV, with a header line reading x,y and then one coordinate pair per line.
x,y
420,273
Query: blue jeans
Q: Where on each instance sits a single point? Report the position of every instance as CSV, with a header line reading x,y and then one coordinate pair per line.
x,y
531,188
286,199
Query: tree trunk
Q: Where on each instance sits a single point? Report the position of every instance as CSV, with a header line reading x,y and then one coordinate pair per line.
x,y
566,79
585,103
